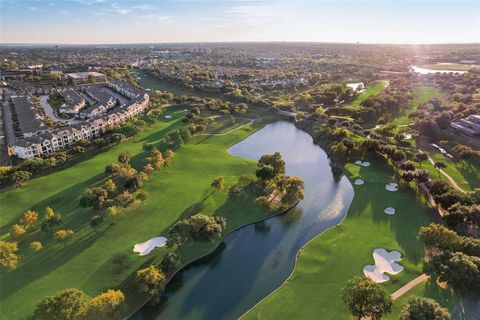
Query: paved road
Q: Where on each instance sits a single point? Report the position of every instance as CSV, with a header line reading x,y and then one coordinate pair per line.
x,y
48,108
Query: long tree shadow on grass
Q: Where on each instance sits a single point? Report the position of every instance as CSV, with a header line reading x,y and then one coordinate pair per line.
x,y
411,212
65,202
158,135
45,262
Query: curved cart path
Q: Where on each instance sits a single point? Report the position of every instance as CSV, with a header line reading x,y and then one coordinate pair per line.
x,y
450,179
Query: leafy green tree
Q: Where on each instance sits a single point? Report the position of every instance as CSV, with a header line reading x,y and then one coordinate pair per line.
x,y
50,220
218,183
439,166
141,195
94,197
124,157
460,271
421,157
270,166
423,309
293,191
170,262
20,177
365,298
69,304
96,221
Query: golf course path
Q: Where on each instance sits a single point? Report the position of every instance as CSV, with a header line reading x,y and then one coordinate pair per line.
x,y
230,131
407,287
450,179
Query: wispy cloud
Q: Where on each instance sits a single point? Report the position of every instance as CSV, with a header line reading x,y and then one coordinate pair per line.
x,y
160,18
90,2
34,8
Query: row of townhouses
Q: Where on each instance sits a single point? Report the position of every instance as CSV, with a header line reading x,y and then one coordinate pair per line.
x,y
41,141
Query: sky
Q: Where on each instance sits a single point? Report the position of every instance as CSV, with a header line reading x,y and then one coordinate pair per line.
x,y
167,21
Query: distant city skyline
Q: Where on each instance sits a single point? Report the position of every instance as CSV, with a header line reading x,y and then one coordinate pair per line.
x,y
169,21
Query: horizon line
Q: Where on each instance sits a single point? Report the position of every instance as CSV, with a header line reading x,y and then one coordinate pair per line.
x,y
230,42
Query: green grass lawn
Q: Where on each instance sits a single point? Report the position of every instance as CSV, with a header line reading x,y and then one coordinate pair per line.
x,y
465,173
373,90
87,262
328,261
421,95
426,289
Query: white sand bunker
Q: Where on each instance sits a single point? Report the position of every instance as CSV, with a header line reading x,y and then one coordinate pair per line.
x,y
389,210
407,136
362,163
144,248
358,182
168,116
384,262
392,186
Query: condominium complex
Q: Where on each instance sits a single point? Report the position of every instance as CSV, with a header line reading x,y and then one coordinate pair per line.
x,y
29,137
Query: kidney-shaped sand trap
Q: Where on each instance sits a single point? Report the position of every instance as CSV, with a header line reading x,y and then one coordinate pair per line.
x,y
358,182
144,248
384,262
389,210
362,163
392,186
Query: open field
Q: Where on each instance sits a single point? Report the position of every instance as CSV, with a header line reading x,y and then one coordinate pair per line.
x,y
420,95
328,261
372,90
87,261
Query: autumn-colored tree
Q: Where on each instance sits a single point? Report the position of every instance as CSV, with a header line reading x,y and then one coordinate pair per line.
x,y
169,155
112,212
110,186
126,173
150,280
8,257
17,232
148,169
64,235
156,159
30,220
106,304
50,220
36,246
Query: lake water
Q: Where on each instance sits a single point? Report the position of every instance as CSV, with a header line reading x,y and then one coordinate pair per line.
x,y
430,71
255,260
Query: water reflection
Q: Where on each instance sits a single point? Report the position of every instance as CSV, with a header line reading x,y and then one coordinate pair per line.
x,y
256,259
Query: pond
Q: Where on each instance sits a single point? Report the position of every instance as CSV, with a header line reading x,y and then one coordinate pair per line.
x,y
255,260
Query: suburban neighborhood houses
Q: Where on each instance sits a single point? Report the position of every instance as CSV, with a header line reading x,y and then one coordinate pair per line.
x,y
28,136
